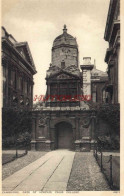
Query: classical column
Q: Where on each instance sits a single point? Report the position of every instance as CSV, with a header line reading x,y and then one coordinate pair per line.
x,y
31,95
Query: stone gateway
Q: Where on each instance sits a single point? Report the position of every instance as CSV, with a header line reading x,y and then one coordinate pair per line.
x,y
65,121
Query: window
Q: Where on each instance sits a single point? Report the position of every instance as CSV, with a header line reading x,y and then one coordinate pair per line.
x,y
14,79
9,77
63,85
73,92
27,102
4,81
62,64
4,88
94,96
21,82
21,100
4,72
26,87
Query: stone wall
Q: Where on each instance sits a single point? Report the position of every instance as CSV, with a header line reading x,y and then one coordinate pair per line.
x,y
65,54
44,133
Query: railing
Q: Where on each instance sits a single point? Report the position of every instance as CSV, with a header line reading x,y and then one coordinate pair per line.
x,y
19,150
21,146
106,166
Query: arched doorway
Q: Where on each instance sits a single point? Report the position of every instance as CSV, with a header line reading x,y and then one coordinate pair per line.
x,y
63,136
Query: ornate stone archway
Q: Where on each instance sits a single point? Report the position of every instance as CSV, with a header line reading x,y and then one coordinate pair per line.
x,y
63,135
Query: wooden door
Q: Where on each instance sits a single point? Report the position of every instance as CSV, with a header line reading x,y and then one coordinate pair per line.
x,y
64,133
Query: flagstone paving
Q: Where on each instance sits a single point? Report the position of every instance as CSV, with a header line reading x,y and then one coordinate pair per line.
x,y
19,163
50,172
54,172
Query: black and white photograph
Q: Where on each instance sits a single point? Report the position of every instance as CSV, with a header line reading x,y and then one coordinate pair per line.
x,y
60,96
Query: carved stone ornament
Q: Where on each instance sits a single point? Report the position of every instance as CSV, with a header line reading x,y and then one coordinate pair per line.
x,y
72,68
52,70
85,122
42,121
64,76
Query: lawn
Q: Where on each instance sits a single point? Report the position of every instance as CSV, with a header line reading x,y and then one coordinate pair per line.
x,y
8,156
115,169
86,175
14,166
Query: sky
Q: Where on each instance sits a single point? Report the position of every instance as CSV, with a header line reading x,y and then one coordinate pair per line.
x,y
39,22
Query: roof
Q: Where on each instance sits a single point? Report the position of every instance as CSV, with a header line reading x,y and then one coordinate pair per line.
x,y
73,70
110,18
65,39
98,75
97,72
21,48
24,49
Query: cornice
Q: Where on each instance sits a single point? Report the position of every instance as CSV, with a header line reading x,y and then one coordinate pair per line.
x,y
10,45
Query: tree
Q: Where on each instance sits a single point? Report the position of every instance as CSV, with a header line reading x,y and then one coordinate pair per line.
x,y
15,123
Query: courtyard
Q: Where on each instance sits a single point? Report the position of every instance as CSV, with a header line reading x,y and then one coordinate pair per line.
x,y
60,170
61,129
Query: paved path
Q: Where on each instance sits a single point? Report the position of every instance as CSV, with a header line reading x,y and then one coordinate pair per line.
x,y
49,173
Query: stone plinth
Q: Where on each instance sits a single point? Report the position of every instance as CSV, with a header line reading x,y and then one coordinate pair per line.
x,y
85,144
48,145
33,145
93,144
77,145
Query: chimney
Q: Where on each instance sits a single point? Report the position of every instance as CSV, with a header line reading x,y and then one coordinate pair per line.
x,y
94,63
87,61
86,75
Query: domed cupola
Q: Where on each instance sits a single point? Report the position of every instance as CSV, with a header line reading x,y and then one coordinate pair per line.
x,y
65,50
65,39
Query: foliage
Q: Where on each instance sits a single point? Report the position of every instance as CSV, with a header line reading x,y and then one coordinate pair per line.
x,y
111,114
38,105
15,123
108,142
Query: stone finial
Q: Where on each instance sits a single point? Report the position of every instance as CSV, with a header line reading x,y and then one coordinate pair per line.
x,y
94,63
65,29
86,60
